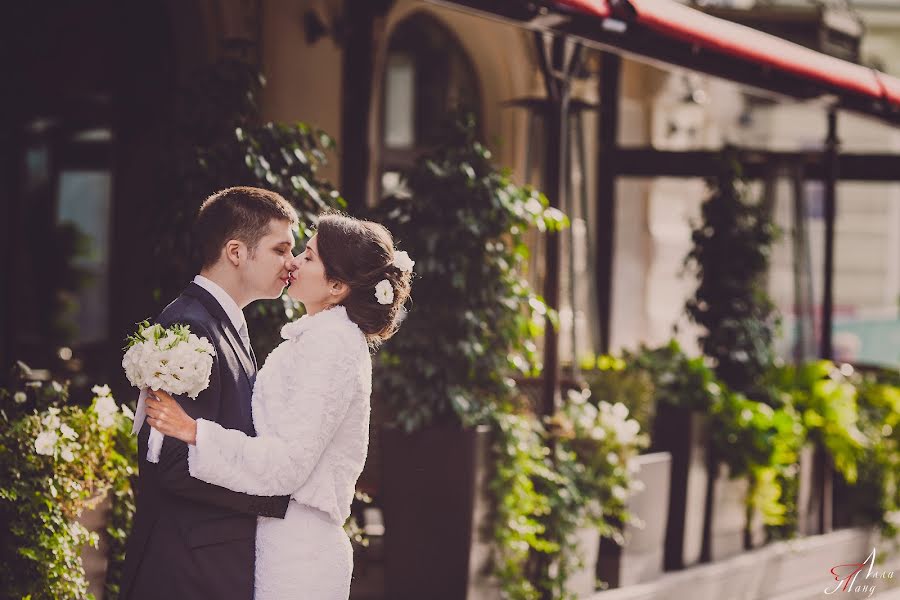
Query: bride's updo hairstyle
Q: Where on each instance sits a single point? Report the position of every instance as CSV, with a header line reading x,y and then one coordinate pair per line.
x,y
361,254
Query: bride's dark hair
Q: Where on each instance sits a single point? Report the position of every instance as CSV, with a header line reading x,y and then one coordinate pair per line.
x,y
361,254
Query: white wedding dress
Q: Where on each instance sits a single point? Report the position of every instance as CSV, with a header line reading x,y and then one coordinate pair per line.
x,y
311,414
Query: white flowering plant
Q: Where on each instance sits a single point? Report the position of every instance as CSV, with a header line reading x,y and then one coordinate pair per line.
x,y
603,439
54,464
168,358
587,479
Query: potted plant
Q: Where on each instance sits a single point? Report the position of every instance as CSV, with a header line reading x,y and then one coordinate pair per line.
x,y
730,255
875,498
826,400
594,444
637,555
683,394
447,379
58,462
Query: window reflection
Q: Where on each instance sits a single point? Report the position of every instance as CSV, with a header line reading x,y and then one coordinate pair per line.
x,y
84,203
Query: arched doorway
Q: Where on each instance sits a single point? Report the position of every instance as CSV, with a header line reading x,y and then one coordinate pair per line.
x,y
428,75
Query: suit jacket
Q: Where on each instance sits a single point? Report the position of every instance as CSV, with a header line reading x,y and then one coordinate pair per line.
x,y
191,539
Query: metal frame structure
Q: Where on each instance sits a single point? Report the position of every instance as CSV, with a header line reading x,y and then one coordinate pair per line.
x,y
629,28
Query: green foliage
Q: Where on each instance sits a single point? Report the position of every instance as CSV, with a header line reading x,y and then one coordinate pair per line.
x,y
826,402
553,481
521,509
54,464
156,332
760,442
731,250
878,482
472,329
474,318
615,380
752,438
678,380
222,142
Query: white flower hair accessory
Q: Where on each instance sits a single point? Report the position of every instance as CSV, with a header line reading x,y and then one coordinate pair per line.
x,y
384,292
403,262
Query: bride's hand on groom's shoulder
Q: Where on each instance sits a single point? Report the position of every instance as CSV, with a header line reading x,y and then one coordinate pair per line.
x,y
166,416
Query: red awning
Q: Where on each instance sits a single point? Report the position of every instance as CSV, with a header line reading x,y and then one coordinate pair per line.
x,y
693,26
891,89
599,8
676,21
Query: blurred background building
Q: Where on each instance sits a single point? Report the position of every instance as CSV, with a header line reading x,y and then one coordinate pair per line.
x,y
93,88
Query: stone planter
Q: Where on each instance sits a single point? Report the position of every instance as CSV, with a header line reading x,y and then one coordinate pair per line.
x,y
436,504
583,582
641,559
683,434
96,560
725,525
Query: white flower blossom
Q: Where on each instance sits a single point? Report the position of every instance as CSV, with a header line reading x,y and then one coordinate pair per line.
x,y
57,387
51,422
534,206
403,262
106,409
620,410
77,530
101,390
127,412
45,443
67,454
20,397
384,292
67,432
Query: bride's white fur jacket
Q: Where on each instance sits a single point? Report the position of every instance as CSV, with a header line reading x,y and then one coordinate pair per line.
x,y
311,414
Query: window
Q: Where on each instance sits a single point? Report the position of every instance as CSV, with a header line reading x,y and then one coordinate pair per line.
x,y
428,77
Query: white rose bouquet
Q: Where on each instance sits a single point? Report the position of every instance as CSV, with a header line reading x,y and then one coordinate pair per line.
x,y
170,359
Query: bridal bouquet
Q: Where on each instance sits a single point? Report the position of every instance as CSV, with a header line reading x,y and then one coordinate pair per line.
x,y
170,359
174,359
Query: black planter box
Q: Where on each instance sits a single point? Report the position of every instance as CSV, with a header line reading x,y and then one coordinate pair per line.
x,y
436,507
683,434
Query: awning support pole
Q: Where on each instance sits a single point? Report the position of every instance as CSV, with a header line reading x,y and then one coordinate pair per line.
x,y
608,126
830,180
558,57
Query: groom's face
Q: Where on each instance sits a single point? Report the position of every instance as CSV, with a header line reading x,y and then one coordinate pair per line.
x,y
267,272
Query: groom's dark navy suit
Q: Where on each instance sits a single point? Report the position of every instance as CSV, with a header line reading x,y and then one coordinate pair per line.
x,y
191,539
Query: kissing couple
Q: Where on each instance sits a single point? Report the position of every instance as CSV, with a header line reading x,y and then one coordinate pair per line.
x,y
248,494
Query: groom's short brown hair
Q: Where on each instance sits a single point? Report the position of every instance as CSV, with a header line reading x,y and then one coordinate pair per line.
x,y
237,213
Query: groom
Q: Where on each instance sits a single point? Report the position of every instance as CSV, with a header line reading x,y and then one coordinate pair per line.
x,y
191,539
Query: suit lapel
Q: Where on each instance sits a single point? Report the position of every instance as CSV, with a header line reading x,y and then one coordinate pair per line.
x,y
247,360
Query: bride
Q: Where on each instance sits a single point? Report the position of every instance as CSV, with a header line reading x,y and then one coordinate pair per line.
x,y
310,410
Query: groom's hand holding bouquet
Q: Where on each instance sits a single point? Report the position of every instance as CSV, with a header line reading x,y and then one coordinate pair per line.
x,y
171,359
